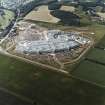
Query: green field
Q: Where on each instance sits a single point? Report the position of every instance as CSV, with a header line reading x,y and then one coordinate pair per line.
x,y
90,71
97,55
99,31
47,87
96,27
8,99
101,44
6,18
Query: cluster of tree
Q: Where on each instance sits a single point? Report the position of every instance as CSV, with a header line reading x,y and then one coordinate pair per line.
x,y
67,18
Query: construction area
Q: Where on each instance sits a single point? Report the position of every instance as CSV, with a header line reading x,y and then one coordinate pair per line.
x,y
55,47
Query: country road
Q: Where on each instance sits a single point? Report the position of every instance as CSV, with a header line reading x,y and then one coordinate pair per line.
x,y
86,50
3,52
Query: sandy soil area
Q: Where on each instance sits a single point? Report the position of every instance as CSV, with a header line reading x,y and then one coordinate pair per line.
x,y
101,14
42,14
68,8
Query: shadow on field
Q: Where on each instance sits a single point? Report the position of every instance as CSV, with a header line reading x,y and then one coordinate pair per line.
x,y
67,18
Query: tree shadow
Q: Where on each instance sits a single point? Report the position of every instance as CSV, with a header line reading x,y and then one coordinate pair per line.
x,y
67,18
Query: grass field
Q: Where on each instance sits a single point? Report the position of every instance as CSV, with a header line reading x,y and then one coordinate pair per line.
x,y
8,99
101,43
46,87
99,31
90,71
97,55
95,27
6,19
51,88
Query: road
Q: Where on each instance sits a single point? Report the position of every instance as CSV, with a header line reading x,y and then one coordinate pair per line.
x,y
83,53
3,52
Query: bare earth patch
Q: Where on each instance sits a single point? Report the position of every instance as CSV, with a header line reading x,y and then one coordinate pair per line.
x,y
101,14
42,14
68,8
